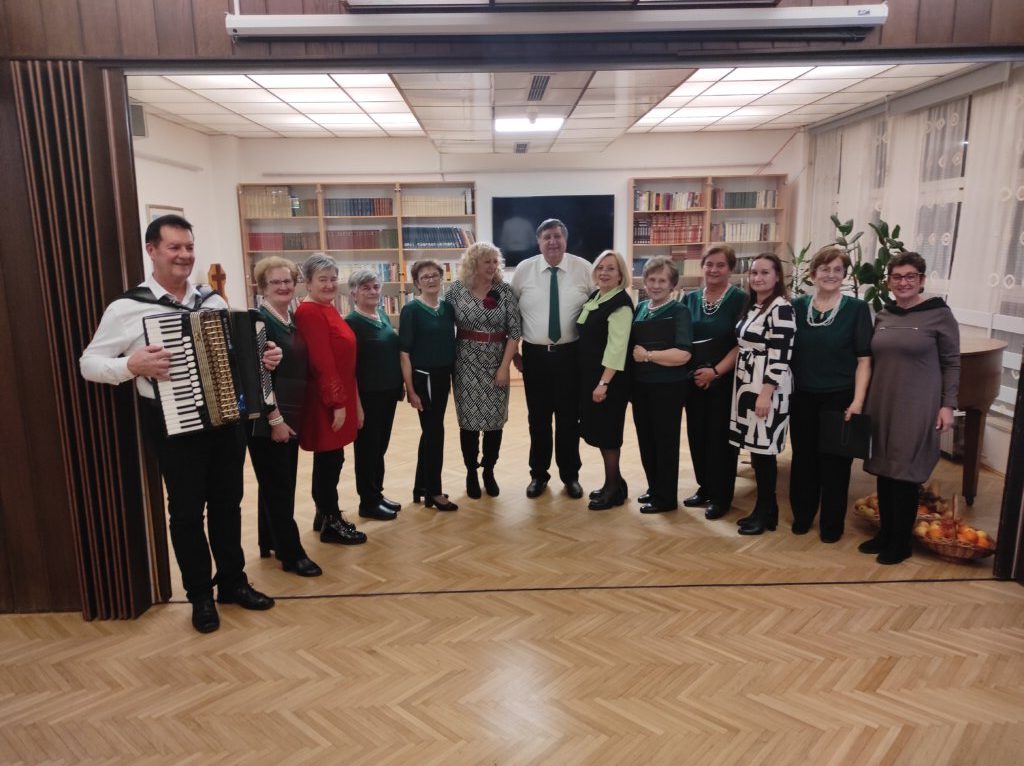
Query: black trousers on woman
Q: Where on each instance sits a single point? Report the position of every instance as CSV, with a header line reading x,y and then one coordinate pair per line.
x,y
816,478
372,443
275,465
326,472
430,457
897,512
657,415
707,432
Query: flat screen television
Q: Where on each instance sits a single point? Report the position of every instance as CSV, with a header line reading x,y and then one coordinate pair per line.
x,y
590,219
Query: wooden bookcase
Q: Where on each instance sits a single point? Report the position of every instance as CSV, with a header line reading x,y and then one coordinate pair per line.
x,y
383,227
681,217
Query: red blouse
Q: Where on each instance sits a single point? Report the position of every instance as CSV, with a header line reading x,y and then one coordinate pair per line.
x,y
331,345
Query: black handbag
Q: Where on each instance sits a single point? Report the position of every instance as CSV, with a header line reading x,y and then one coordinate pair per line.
x,y
845,438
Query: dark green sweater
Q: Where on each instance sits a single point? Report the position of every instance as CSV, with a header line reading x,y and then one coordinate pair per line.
x,y
825,358
427,335
377,364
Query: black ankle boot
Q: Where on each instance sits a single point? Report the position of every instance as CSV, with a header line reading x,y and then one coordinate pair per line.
x,y
337,530
472,484
763,521
490,484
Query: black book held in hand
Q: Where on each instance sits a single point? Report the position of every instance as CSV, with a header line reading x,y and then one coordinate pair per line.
x,y
837,436
655,334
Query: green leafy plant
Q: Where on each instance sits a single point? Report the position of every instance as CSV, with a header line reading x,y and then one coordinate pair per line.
x,y
801,279
867,271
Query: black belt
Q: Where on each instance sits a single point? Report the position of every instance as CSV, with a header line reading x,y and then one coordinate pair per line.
x,y
551,348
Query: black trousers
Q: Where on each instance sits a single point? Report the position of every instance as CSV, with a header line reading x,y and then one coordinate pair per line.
x,y
816,478
372,443
897,512
470,443
766,475
657,415
326,472
430,457
202,472
551,380
275,465
707,432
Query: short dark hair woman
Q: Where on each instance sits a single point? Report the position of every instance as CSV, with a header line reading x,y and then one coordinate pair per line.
x,y
914,387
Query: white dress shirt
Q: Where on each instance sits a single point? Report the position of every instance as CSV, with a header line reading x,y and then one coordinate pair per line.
x,y
531,283
105,359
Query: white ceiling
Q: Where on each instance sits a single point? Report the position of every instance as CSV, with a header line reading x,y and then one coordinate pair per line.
x,y
457,110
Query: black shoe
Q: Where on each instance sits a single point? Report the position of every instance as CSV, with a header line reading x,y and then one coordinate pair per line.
x,y
574,489
595,493
801,528
490,484
441,502
715,511
749,519
761,522
696,500
655,508
608,499
265,552
472,484
873,546
337,530
889,558
204,615
417,494
302,567
391,505
380,512
318,519
831,537
536,487
245,596
644,499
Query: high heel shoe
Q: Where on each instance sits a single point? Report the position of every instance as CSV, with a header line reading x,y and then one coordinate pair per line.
x,y
472,484
442,504
490,483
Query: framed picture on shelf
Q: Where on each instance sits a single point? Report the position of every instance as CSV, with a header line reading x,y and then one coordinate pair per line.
x,y
155,211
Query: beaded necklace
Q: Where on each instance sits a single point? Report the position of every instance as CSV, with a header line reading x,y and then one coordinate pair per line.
x,y
710,309
286,320
827,317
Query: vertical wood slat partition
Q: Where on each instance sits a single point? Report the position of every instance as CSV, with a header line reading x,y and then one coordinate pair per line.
x,y
80,193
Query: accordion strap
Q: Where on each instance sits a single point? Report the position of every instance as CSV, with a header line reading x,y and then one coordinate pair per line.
x,y
143,294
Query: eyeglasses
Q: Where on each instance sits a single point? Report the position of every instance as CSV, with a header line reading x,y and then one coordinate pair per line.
x,y
280,282
429,277
908,278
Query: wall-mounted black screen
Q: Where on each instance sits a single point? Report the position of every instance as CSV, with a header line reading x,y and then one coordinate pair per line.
x,y
590,219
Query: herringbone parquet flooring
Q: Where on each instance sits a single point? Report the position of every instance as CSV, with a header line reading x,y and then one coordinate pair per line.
x,y
536,632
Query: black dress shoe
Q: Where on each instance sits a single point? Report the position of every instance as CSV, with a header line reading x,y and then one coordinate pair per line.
x,y
441,502
391,505
873,546
380,512
889,558
574,490
490,483
644,499
337,530
801,527
536,487
204,615
302,567
831,537
595,493
266,552
715,511
245,596
748,519
655,508
609,499
696,500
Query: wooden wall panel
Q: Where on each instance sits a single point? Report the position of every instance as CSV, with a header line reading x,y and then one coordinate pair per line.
x,y
935,23
211,39
286,49
24,22
138,28
900,30
1007,22
972,21
175,28
63,26
101,28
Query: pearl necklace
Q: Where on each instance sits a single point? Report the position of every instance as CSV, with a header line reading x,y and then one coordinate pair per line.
x,y
285,320
827,317
710,309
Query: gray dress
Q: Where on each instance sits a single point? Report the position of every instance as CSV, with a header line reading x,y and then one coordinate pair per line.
x,y
479,404
915,372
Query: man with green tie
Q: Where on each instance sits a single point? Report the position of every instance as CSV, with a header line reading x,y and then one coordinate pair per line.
x,y
552,287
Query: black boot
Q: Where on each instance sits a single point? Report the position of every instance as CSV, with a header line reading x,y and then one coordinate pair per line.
x,y
469,441
490,484
337,530
472,484
765,520
492,446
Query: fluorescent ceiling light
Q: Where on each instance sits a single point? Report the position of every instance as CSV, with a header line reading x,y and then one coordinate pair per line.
x,y
333,107
525,125
238,96
766,73
213,81
721,100
708,111
743,87
311,95
343,119
690,88
833,72
293,80
370,95
363,80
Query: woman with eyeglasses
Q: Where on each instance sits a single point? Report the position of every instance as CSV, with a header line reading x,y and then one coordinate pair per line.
x,y
831,371
914,386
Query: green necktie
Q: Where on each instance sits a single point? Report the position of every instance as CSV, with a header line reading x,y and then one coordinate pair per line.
x,y
554,320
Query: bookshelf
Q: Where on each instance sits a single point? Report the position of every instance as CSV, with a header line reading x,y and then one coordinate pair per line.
x,y
681,217
383,227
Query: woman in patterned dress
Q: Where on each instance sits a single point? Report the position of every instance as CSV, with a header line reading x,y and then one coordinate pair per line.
x,y
487,335
760,400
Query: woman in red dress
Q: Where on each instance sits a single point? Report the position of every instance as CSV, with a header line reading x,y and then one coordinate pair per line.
x,y
333,413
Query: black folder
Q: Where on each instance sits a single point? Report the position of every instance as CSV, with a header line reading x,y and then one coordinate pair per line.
x,y
845,438
655,334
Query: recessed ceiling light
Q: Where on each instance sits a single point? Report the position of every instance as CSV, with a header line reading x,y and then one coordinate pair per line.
x,y
526,125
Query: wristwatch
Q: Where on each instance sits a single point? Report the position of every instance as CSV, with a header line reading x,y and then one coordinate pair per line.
x,y
602,382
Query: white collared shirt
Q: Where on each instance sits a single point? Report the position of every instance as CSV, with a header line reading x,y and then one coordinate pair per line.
x,y
105,359
532,285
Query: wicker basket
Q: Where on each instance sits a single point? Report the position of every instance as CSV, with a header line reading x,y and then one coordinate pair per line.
x,y
954,550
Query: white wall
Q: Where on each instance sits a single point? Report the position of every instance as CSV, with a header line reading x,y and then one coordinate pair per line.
x,y
206,187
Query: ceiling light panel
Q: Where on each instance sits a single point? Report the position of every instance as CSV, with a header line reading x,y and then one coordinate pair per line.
x,y
844,72
756,110
849,97
290,120
202,107
674,102
342,119
815,86
224,119
720,100
656,115
395,120
766,73
148,82
293,80
166,96
525,125
363,80
237,96
890,83
743,87
708,75
347,107
708,111
268,108
197,81
370,95
310,95
787,99
923,70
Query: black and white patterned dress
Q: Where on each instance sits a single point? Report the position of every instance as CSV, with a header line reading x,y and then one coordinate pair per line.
x,y
479,404
766,345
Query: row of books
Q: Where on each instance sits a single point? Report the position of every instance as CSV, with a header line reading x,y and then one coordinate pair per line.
x,y
358,206
648,201
284,240
275,202
743,231
688,267
361,239
723,200
437,236
454,204
674,227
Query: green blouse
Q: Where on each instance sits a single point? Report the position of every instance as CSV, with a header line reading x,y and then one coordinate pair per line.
x,y
618,330
377,364
651,372
427,335
825,358
721,322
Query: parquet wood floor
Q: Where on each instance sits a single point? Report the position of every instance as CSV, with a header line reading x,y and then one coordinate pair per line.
x,y
536,632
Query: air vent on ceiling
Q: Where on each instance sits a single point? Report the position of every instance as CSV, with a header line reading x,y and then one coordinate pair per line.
x,y
538,86
137,120
521,147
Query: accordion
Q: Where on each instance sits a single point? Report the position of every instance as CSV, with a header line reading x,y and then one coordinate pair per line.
x,y
217,375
